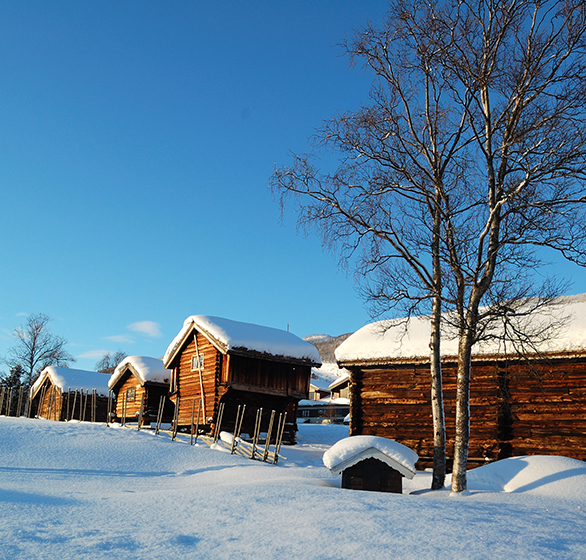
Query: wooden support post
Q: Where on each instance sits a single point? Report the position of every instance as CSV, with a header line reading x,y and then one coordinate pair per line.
x,y
19,403
280,430
9,407
175,420
201,389
59,405
233,446
197,422
68,399
50,402
94,403
256,434
109,410
192,420
219,421
160,414
84,400
28,404
74,403
123,421
267,443
140,412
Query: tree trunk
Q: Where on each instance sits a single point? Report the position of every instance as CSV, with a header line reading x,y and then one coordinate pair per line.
x,y
437,397
437,400
466,340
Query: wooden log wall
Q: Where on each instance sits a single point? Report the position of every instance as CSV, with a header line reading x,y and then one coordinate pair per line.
x,y
188,382
59,406
515,409
274,377
548,408
130,383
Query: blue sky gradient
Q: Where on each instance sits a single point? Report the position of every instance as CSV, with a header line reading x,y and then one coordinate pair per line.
x,y
136,144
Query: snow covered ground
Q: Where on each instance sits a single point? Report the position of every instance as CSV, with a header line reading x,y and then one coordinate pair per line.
x,y
73,490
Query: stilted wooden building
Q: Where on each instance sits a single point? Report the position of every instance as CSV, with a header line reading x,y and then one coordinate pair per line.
x,y
518,406
70,394
215,360
141,385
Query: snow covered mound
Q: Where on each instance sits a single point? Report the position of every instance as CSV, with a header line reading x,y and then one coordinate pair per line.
x,y
351,450
546,475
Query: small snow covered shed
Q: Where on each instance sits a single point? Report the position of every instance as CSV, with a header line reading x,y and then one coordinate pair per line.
x,y
141,380
216,360
371,463
535,404
62,393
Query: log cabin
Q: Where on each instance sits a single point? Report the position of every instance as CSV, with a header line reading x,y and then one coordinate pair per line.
x,y
61,393
215,360
519,405
140,382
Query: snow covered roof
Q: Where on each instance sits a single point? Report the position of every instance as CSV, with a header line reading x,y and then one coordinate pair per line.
x,y
326,401
74,379
404,339
345,377
349,451
235,337
143,368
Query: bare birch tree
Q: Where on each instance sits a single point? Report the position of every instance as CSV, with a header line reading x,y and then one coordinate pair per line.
x,y
469,158
522,65
402,156
37,348
109,361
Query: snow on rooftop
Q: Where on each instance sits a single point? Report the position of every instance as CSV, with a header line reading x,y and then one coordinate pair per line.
x,y
147,369
409,338
235,335
351,450
74,379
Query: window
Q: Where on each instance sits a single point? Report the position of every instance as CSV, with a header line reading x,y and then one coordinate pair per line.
x,y
197,362
305,413
131,394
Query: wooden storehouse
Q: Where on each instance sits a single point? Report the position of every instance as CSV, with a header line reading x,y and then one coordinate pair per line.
x,y
141,386
215,360
371,463
64,394
535,404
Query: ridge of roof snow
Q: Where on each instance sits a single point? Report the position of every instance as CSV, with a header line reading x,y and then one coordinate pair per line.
x,y
235,336
74,379
351,450
145,367
408,338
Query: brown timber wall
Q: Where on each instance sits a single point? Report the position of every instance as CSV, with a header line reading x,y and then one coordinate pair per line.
x,y
132,406
188,383
59,406
269,376
515,409
548,408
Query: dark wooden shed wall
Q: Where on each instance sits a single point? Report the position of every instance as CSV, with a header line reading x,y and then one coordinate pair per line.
x,y
516,408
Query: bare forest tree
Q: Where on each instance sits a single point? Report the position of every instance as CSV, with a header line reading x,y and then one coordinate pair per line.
x,y
469,158
37,348
109,361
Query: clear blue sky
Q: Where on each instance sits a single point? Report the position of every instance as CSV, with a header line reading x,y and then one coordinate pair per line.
x,y
137,139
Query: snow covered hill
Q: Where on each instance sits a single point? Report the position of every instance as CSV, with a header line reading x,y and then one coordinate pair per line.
x,y
80,490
